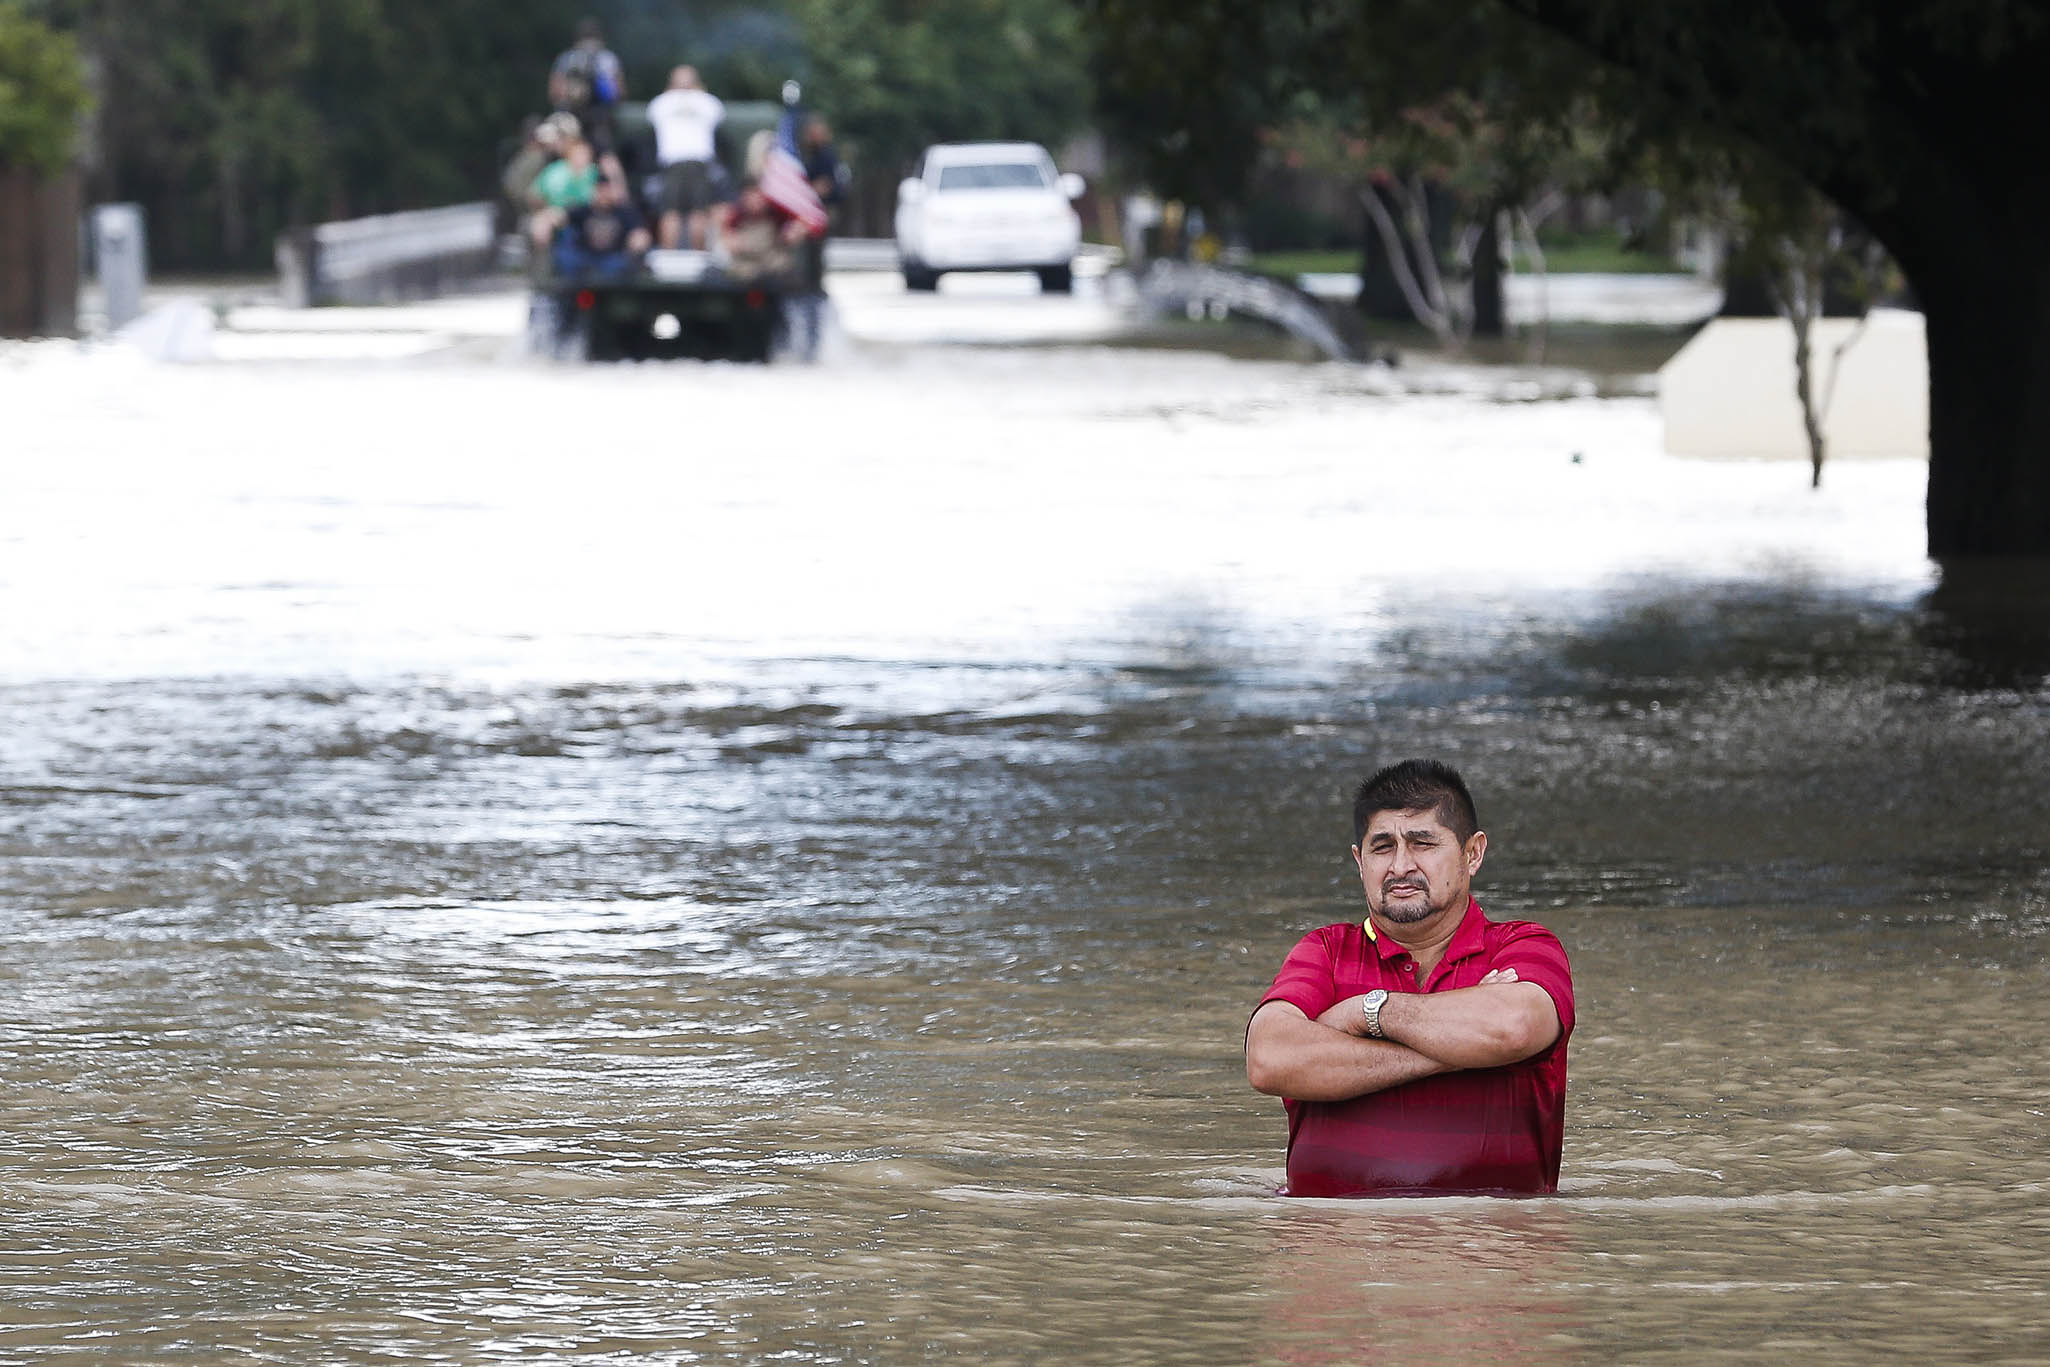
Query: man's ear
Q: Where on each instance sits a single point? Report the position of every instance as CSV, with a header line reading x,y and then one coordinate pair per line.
x,y
1476,851
1359,861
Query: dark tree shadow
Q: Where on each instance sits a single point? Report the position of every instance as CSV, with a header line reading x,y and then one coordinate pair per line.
x,y
1990,616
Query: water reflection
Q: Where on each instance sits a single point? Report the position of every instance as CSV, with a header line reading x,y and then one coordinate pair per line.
x,y
1992,617
1683,636
1493,1287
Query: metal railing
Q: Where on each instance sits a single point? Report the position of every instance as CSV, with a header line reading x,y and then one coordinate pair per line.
x,y
374,260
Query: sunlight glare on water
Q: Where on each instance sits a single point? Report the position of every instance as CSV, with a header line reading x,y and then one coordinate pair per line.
x,y
580,525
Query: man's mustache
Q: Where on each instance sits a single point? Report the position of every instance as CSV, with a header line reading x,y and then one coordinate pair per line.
x,y
1416,883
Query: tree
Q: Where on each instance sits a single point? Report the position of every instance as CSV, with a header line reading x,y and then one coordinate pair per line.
x,y
42,98
895,76
1922,119
42,93
231,119
1190,88
1803,254
898,75
1432,112
1436,184
743,49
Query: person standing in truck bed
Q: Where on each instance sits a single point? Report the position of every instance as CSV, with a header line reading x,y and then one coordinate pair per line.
x,y
588,81
686,120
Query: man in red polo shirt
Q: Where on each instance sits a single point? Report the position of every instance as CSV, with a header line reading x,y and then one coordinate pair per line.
x,y
1423,1050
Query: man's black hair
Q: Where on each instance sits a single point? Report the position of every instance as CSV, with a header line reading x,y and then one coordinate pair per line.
x,y
1416,785
589,27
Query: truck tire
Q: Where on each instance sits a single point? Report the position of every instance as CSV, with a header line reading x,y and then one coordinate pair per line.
x,y
921,279
1057,280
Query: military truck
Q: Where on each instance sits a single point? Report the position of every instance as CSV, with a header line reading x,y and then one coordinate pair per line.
x,y
676,306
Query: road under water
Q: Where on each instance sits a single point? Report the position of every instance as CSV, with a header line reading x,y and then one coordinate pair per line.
x,y
669,864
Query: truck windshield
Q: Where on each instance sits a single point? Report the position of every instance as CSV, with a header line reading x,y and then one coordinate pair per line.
x,y
996,175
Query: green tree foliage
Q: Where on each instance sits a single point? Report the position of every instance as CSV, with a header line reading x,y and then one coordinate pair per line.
x,y
743,49
1839,91
42,92
1194,86
1442,117
897,75
230,119
1187,90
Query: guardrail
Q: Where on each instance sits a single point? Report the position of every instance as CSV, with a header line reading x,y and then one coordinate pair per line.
x,y
861,254
388,256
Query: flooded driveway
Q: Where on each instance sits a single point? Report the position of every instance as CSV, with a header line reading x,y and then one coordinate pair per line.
x,y
678,863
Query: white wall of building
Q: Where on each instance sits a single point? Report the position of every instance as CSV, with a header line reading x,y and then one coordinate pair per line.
x,y
1730,390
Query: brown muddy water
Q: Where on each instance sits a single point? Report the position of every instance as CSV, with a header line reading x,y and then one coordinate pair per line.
x,y
493,873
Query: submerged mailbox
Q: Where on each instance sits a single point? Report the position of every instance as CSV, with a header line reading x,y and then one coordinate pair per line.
x,y
121,253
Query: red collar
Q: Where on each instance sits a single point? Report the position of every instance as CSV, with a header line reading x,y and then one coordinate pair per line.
x,y
1470,938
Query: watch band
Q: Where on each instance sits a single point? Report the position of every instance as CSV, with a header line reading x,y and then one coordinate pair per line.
x,y
1370,1008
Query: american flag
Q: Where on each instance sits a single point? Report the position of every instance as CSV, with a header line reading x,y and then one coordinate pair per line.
x,y
783,182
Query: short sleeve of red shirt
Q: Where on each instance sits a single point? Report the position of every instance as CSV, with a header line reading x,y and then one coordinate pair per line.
x,y
1308,979
1538,957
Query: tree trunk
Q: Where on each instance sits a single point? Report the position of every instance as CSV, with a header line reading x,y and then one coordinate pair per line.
x,y
1488,314
1380,293
1989,403
1795,283
38,253
1988,614
1747,282
1804,391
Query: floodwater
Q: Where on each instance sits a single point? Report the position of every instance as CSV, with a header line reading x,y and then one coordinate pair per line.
x,y
676,863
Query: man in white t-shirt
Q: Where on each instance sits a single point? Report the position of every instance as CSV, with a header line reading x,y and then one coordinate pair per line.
x,y
686,121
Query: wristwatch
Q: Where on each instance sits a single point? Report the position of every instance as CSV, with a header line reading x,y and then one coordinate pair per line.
x,y
1370,1007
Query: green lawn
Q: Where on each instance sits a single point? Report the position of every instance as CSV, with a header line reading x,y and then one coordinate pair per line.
x,y
1604,254
1340,261
1579,256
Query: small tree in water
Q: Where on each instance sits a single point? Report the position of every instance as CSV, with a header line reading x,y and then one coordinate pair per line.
x,y
1809,256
